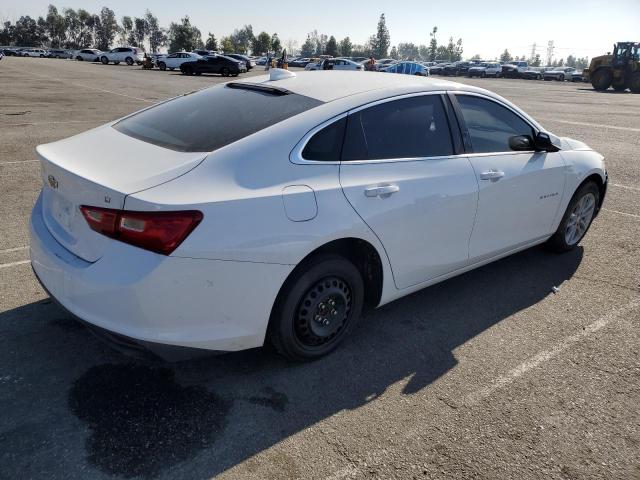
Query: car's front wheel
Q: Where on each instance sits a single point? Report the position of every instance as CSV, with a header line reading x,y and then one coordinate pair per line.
x,y
225,72
577,218
79,58
129,61
317,307
162,66
104,60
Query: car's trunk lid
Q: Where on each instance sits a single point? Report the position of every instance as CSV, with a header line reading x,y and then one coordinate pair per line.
x,y
100,168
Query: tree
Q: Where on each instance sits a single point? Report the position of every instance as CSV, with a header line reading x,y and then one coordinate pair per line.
x,y
226,45
408,51
346,47
211,43
308,48
476,57
7,34
106,29
126,31
56,27
506,56
183,36
381,40
276,46
571,61
321,44
242,39
457,50
292,46
433,45
394,53
535,62
26,32
261,44
157,35
140,31
332,46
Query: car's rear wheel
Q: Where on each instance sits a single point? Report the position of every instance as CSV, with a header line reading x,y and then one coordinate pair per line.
x,y
317,307
187,70
577,218
225,72
79,58
129,61
104,60
162,66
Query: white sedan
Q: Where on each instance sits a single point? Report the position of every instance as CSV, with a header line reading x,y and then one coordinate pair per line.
x,y
174,60
88,55
324,194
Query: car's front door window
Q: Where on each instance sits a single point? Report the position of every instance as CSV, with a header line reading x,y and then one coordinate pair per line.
x,y
490,125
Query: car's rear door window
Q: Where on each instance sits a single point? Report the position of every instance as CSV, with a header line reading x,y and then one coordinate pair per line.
x,y
414,127
326,145
209,119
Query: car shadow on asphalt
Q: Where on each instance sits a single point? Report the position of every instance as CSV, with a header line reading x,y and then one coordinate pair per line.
x,y
201,417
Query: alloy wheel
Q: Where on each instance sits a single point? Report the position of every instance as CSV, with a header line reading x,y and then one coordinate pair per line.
x,y
579,219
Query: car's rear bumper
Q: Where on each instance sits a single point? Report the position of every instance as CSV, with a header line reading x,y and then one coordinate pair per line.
x,y
151,298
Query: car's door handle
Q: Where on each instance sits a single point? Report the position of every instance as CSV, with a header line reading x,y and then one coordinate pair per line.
x,y
492,175
382,191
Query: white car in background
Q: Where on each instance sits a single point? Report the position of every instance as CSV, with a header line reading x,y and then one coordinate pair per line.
x,y
486,69
340,64
128,55
33,52
200,224
559,73
88,55
174,60
314,65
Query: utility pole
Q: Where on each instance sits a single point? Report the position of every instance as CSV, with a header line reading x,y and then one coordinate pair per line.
x,y
550,48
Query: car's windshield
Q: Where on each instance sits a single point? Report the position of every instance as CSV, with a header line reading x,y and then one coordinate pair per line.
x,y
209,119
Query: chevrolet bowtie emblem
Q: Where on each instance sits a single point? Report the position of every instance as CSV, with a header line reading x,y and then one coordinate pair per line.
x,y
53,183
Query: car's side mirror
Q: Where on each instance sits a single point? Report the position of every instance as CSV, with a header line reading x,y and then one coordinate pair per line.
x,y
521,143
543,143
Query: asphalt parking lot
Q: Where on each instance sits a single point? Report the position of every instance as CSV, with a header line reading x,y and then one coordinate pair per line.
x,y
489,375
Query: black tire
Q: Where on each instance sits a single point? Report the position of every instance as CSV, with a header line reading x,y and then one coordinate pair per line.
x,y
187,70
79,58
104,60
129,61
559,242
634,84
224,72
619,84
601,79
162,66
561,78
318,306
116,63
198,73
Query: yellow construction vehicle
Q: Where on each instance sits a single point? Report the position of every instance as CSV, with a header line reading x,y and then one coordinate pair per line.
x,y
620,70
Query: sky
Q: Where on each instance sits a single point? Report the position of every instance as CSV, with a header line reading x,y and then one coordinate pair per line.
x,y
577,27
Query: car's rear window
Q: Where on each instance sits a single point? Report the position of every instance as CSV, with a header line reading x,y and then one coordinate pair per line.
x,y
209,119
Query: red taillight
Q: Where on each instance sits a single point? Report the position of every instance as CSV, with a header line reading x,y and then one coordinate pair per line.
x,y
160,232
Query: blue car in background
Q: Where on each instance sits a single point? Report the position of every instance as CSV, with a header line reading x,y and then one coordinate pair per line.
x,y
408,68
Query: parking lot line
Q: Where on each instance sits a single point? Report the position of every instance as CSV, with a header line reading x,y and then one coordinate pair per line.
x,y
508,378
16,249
627,187
13,264
622,213
20,161
586,124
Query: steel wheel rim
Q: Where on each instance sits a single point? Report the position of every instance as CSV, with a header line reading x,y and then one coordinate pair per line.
x,y
579,219
323,312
